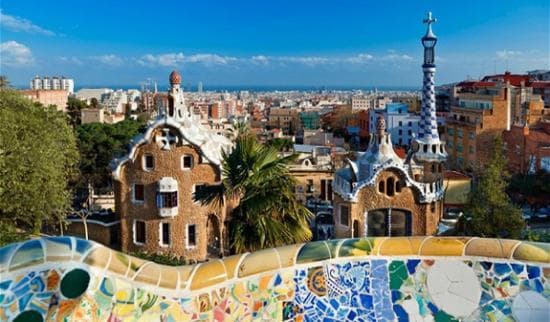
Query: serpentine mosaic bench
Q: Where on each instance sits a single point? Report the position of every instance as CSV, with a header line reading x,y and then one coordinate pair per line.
x,y
372,279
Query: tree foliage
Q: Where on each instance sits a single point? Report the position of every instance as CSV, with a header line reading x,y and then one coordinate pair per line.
x,y
531,189
257,180
99,144
38,156
489,211
74,108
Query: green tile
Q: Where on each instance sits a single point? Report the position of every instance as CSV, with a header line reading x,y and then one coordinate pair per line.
x,y
355,247
398,274
312,252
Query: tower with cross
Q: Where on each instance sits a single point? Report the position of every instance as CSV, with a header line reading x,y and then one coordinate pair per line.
x,y
428,147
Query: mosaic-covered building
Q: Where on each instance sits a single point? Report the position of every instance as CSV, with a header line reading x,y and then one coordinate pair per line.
x,y
382,194
155,182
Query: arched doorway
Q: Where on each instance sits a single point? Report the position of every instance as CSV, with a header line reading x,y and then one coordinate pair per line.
x,y
213,236
388,222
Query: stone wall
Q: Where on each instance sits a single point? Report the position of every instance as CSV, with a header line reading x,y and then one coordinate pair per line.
x,y
166,164
424,221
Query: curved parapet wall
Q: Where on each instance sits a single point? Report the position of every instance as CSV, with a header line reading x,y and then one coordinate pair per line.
x,y
382,279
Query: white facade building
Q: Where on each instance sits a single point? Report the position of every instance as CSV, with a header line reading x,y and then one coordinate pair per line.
x,y
54,83
400,124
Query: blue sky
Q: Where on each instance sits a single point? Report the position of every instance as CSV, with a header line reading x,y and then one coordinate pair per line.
x,y
286,43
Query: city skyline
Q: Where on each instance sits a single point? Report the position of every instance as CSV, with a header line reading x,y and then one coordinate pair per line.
x,y
256,44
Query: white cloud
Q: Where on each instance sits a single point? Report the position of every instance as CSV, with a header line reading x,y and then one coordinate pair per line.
x,y
360,59
15,54
109,59
71,60
393,57
260,60
507,54
209,59
171,60
22,25
175,59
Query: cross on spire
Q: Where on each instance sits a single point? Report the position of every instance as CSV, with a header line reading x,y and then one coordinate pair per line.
x,y
429,20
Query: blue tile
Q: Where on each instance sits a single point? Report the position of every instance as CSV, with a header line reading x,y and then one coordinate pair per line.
x,y
502,269
412,264
533,271
518,268
366,301
432,308
400,312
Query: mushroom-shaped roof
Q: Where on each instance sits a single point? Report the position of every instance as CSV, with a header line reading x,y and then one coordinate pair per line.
x,y
175,78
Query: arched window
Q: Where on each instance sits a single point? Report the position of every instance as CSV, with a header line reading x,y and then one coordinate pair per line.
x,y
390,185
381,187
398,185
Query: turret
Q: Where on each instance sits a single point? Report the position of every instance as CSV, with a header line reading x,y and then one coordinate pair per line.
x,y
427,146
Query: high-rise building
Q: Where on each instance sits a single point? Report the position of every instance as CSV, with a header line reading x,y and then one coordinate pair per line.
x,y
54,83
199,87
383,194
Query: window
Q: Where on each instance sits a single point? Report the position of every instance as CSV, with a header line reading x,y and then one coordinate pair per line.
x,y
459,148
410,132
390,184
167,199
344,215
400,132
165,234
471,149
139,232
410,123
310,188
148,162
471,135
191,236
187,162
382,187
400,123
139,192
450,131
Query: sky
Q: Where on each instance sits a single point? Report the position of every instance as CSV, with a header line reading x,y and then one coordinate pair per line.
x,y
269,43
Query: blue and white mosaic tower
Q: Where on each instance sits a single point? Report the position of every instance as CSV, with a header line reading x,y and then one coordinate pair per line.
x,y
429,148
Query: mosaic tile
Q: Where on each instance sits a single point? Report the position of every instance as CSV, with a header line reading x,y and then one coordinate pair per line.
x,y
333,281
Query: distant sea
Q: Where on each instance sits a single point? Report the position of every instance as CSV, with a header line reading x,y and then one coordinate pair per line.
x,y
260,88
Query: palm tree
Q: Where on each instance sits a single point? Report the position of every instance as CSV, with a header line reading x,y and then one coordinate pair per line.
x,y
257,181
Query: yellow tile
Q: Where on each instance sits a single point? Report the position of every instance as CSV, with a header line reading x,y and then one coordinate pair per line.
x,y
259,261
98,257
288,254
355,247
231,263
442,247
208,274
119,263
169,277
185,273
508,246
532,252
149,274
416,242
396,246
485,247
376,243
135,265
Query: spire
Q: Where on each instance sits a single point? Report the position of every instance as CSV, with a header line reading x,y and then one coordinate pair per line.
x,y
429,146
176,109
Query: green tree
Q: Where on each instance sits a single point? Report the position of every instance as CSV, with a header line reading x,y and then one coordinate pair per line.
x,y
99,144
38,156
257,181
281,144
4,82
490,212
74,108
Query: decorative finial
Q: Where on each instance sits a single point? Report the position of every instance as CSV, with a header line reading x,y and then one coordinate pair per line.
x,y
429,21
381,126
